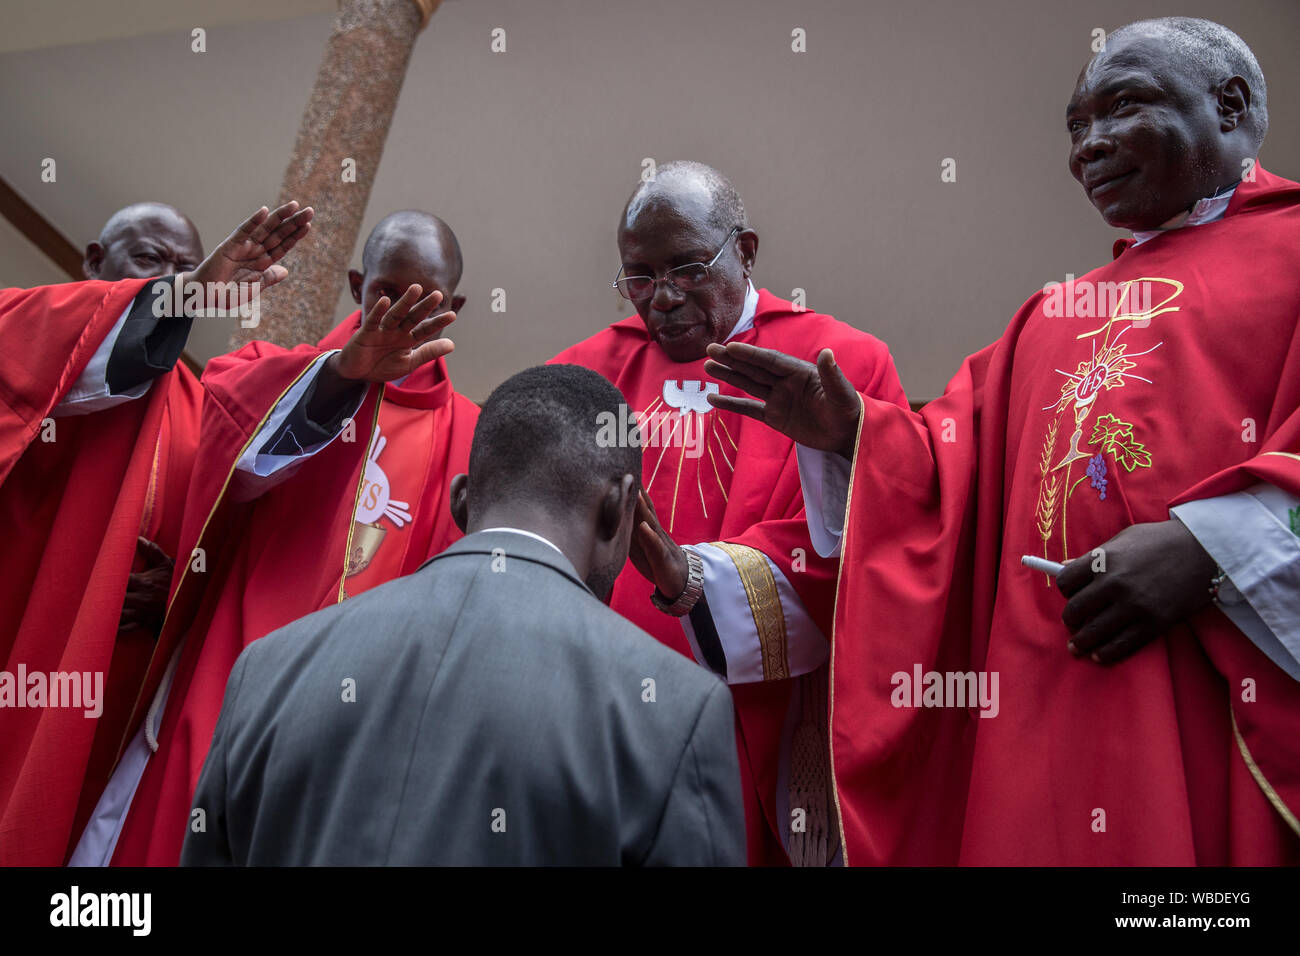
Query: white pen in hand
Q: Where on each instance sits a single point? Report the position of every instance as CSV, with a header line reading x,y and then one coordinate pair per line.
x,y
1042,564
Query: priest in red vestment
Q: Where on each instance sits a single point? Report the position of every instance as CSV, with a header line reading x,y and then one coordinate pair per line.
x,y
141,241
97,437
730,488
324,471
1140,426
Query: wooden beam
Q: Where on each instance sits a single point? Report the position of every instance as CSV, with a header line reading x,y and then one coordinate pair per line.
x,y
39,231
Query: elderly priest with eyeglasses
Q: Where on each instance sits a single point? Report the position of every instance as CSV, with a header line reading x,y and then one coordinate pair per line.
x,y
729,490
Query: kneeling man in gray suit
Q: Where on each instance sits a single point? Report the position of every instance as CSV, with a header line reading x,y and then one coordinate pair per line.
x,y
488,708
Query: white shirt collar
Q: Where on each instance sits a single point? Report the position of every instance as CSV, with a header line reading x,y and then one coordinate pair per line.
x,y
1210,209
530,534
746,314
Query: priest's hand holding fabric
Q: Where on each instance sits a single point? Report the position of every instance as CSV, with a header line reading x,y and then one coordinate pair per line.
x,y
145,604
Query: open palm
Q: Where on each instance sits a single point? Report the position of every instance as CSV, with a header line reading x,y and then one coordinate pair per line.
x,y
813,404
396,338
251,254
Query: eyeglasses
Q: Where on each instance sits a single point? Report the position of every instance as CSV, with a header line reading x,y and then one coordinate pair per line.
x,y
683,278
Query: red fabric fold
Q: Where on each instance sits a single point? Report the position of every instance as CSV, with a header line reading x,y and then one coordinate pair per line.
x,y
73,507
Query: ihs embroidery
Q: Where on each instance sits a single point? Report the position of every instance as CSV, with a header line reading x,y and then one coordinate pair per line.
x,y
375,502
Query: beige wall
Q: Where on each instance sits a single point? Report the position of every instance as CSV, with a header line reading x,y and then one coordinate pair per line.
x,y
21,263
529,154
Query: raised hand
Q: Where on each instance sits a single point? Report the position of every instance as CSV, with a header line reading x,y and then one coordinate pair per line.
x,y
813,404
655,554
395,339
250,255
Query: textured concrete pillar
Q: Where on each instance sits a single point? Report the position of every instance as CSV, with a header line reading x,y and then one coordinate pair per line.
x,y
347,118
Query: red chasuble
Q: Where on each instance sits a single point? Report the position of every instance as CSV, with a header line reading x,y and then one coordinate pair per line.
x,y
381,498
720,476
1100,407
75,492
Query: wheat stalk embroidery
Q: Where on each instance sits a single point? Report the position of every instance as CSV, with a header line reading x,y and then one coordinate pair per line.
x,y
1049,491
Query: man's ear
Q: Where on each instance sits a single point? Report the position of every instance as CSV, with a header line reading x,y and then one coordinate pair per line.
x,y
460,502
1234,103
617,508
355,282
457,303
92,260
747,245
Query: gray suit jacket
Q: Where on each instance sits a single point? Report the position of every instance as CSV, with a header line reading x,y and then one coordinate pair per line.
x,y
486,709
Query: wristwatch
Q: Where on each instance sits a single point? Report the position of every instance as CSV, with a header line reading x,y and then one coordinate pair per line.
x,y
690,594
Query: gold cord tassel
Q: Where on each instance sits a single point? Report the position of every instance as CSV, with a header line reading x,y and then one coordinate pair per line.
x,y
810,776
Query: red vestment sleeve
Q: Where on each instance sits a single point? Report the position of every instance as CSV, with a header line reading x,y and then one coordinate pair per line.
x,y
74,495
47,335
1265,700
869,366
893,767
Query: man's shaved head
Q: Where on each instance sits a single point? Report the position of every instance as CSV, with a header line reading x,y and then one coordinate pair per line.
x,y
1214,53
142,240
688,213
406,248
1170,112
411,228
684,181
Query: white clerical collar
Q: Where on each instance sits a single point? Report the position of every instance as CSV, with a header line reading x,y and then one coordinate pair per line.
x,y
530,534
746,314
1206,210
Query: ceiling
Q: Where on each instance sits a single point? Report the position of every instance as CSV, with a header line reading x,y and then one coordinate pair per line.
x,y
52,23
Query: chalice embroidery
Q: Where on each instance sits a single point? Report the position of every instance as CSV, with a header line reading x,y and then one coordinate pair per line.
x,y
375,502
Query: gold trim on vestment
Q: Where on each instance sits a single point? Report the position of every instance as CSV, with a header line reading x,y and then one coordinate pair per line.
x,y
810,780
764,605
839,577
1260,779
189,558
146,515
356,501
